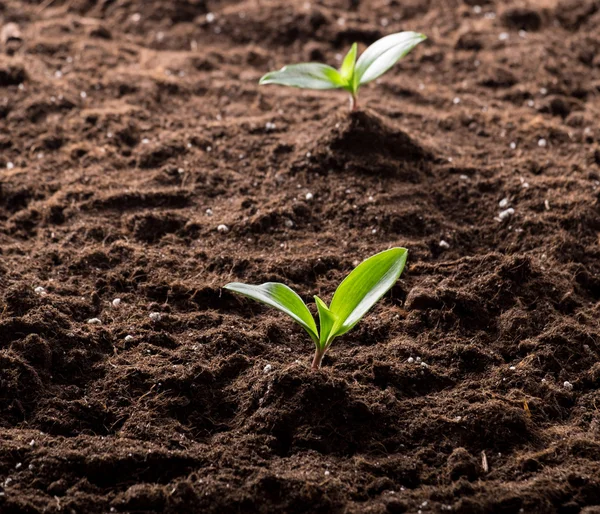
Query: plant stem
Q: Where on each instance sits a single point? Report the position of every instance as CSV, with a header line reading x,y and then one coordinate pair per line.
x,y
353,102
319,353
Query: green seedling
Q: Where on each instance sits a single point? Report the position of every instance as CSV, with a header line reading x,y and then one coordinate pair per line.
x,y
374,62
359,291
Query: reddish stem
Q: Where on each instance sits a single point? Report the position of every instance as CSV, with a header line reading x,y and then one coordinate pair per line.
x,y
353,102
316,363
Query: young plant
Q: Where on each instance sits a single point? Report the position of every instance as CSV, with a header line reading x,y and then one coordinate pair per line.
x,y
359,291
374,62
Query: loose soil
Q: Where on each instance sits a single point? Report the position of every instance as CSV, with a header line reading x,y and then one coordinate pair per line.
x,y
131,129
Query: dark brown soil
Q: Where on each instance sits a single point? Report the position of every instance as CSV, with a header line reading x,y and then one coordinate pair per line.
x,y
131,129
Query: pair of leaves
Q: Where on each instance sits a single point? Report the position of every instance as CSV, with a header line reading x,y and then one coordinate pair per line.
x,y
374,62
354,297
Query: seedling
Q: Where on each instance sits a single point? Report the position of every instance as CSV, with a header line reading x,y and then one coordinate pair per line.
x,y
354,297
374,62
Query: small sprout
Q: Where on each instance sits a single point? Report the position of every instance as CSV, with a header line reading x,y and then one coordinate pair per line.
x,y
116,302
223,229
354,297
374,62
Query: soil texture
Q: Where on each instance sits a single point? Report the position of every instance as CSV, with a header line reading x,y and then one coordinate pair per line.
x,y
140,161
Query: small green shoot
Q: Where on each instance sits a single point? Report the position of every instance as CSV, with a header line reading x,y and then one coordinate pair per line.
x,y
374,62
354,297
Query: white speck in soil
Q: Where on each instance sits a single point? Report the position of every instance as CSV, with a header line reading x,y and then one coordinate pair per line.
x,y
40,290
116,302
503,203
505,214
542,143
155,316
444,244
128,338
309,197
410,360
567,385
223,229
209,212
267,369
94,321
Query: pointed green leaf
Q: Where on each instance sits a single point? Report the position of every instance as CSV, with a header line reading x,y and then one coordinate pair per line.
x,y
326,321
383,54
282,298
347,68
363,288
308,75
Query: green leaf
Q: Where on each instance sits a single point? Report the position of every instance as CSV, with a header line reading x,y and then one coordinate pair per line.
x,y
347,68
363,288
308,75
326,321
383,54
282,298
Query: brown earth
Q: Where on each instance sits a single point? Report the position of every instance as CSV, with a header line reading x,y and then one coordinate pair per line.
x,y
125,123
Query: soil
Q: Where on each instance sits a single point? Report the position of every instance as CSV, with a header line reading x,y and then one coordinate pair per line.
x,y
131,129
